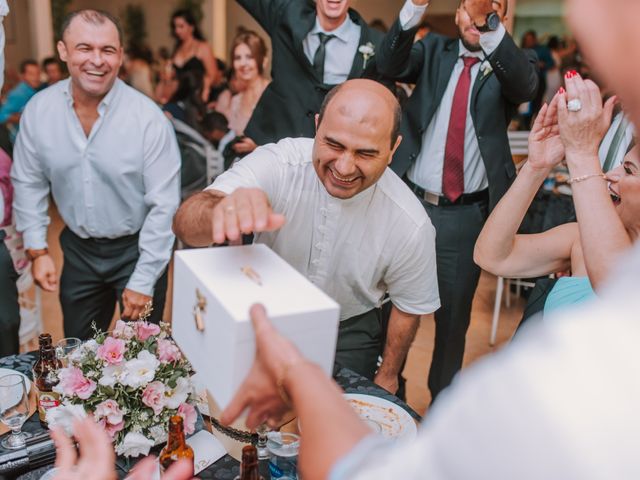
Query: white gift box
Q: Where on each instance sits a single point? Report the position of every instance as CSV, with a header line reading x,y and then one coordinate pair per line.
x,y
213,290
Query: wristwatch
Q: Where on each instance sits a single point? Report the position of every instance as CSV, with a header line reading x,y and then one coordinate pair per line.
x,y
33,253
492,23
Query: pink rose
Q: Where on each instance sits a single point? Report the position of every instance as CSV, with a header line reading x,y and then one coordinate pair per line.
x,y
123,330
189,416
153,396
111,429
145,330
73,382
168,351
110,410
112,351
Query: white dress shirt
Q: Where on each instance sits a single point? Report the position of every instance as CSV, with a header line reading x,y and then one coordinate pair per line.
x,y
123,178
427,170
340,51
627,138
355,250
559,402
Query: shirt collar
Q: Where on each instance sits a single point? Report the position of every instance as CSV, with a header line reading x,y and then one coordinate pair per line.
x,y
465,52
108,99
341,33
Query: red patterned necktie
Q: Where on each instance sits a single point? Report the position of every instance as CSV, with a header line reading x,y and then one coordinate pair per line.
x,y
453,168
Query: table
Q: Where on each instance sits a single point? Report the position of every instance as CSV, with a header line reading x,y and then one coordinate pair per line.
x,y
227,468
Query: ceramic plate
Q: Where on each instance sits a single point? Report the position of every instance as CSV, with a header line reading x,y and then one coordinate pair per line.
x,y
7,371
383,416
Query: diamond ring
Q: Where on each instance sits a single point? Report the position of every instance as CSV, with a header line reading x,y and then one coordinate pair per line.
x,y
574,105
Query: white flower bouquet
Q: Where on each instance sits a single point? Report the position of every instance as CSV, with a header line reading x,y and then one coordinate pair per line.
x,y
131,380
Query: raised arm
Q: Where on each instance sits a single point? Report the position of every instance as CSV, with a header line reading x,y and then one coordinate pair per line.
x,y
398,57
603,235
212,73
499,249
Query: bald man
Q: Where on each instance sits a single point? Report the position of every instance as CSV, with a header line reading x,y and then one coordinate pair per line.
x,y
331,208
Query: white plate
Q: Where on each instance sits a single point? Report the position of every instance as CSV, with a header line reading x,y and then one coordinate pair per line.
x,y
383,416
7,371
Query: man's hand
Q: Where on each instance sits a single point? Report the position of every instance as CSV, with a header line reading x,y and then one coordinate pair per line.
x,y
420,3
44,274
246,210
478,10
147,468
246,145
275,355
134,304
387,381
97,459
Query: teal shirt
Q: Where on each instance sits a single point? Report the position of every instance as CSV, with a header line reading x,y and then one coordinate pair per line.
x,y
569,291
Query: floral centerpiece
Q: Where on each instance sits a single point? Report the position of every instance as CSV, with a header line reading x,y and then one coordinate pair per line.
x,y
131,380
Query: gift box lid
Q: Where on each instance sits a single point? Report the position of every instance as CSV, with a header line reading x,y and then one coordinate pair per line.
x,y
241,276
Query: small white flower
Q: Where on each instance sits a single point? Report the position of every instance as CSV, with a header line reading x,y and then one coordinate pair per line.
x,y
64,416
144,416
158,433
486,68
113,374
179,394
367,50
134,444
140,370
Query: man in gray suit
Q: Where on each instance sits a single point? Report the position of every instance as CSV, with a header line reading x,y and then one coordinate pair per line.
x,y
455,155
316,45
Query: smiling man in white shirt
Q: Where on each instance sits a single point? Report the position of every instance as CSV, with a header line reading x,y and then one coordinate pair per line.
x,y
110,159
333,210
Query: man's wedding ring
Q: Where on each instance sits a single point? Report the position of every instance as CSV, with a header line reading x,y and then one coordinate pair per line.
x,y
574,105
229,209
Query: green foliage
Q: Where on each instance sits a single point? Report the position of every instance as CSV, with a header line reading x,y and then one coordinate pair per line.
x,y
195,6
134,25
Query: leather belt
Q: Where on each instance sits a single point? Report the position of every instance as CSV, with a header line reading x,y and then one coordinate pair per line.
x,y
442,201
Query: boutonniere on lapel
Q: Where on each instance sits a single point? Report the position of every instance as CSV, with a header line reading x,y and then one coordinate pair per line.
x,y
367,50
486,68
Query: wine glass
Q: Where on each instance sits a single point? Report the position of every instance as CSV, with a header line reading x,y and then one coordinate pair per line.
x,y
65,347
14,409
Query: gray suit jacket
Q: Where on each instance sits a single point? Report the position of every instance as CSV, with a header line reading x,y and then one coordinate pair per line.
x,y
288,106
494,96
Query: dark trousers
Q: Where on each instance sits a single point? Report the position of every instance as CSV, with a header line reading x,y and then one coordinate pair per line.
x,y
9,307
457,229
360,343
95,273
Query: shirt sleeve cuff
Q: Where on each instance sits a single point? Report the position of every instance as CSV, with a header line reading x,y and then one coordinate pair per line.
x,y
35,240
139,283
345,468
411,14
489,41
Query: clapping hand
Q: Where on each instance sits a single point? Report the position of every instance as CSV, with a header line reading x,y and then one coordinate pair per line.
x,y
545,146
478,10
582,118
246,210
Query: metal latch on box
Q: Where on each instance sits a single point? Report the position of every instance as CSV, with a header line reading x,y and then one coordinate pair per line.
x,y
198,309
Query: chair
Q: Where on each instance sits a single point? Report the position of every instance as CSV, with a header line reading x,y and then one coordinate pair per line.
x,y
500,286
519,142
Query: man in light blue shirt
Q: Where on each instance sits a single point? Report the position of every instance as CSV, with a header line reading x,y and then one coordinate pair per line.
x,y
110,159
18,97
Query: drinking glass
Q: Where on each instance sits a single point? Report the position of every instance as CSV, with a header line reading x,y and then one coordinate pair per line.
x,y
14,409
65,347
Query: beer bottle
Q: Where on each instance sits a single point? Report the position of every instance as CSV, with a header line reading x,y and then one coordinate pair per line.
x,y
176,447
249,469
44,340
46,380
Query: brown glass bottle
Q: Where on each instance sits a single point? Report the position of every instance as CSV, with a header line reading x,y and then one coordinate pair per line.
x,y
176,447
44,340
46,380
249,469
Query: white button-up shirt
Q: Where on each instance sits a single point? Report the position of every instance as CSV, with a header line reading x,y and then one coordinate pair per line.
x,y
355,250
340,51
427,170
123,178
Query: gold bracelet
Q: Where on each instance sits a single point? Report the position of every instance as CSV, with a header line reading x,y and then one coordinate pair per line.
x,y
586,177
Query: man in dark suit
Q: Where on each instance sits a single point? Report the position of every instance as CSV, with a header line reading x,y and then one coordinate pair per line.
x,y
455,153
316,45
